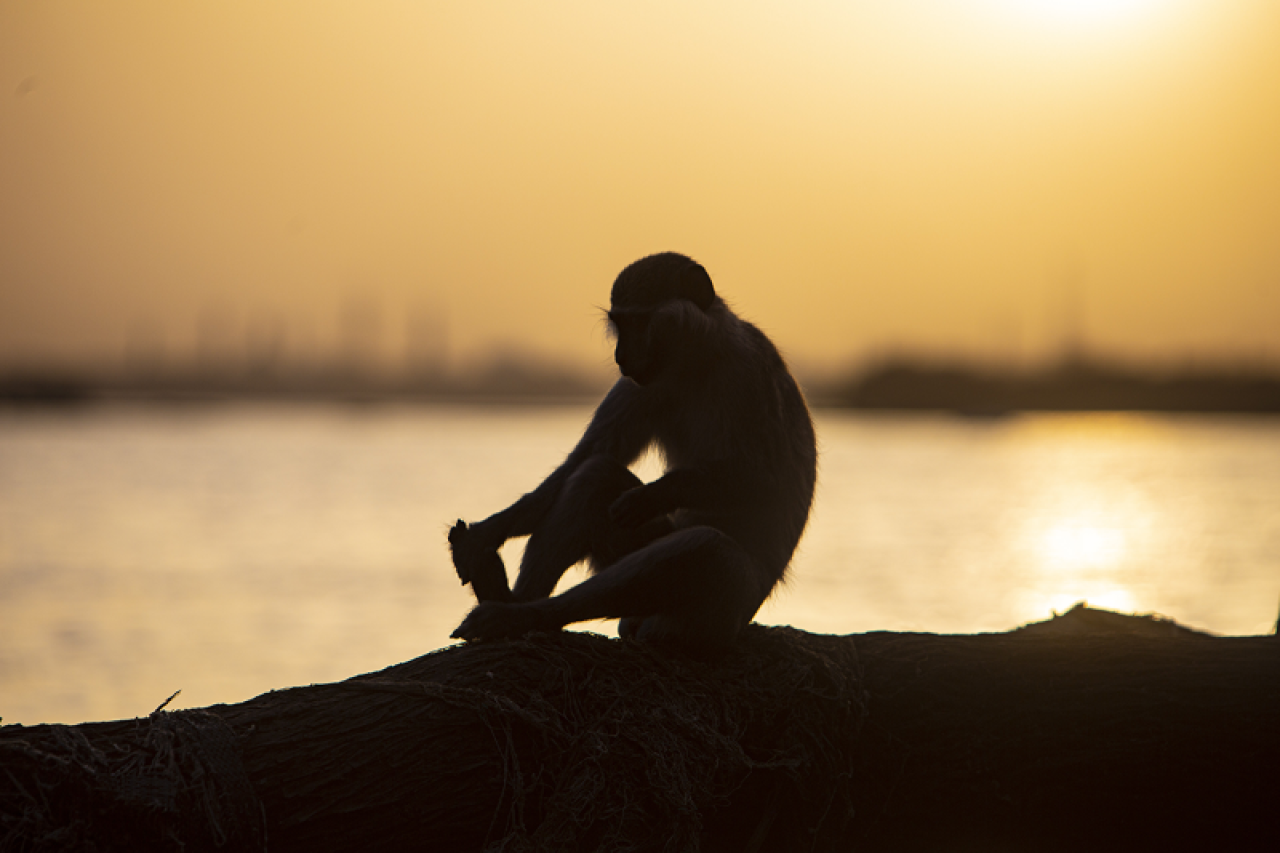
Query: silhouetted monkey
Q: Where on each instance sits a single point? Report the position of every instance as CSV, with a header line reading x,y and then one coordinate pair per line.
x,y
690,557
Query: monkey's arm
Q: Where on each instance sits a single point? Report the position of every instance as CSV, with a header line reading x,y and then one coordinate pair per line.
x,y
717,485
618,429
474,547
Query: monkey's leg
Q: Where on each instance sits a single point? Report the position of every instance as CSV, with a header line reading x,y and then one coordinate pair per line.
x,y
695,589
577,527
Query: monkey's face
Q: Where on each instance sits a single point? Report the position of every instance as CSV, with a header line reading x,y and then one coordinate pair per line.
x,y
659,315
639,350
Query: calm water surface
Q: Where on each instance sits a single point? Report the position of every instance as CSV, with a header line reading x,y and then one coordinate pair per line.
x,y
228,551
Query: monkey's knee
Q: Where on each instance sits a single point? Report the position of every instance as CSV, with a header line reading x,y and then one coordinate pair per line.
x,y
575,529
590,492
600,480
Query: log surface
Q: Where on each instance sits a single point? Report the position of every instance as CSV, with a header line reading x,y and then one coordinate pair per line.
x,y
1092,731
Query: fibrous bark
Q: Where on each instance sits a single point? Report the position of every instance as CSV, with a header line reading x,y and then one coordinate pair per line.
x,y
1091,731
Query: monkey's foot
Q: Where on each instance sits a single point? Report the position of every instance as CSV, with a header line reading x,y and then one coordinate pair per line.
x,y
495,620
478,563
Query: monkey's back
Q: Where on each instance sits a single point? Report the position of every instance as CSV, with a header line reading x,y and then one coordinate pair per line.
x,y
750,426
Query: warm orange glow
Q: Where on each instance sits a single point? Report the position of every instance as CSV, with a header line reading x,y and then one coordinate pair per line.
x,y
858,176
1081,13
1082,554
1090,528
1073,546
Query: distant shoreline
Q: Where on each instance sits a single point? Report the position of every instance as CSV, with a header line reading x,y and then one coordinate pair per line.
x,y
903,385
1076,385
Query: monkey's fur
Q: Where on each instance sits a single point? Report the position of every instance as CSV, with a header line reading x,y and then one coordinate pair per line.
x,y
689,558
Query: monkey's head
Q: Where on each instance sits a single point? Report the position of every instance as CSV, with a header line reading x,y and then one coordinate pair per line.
x,y
658,312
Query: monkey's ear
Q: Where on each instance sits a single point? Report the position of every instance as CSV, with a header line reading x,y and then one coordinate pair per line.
x,y
695,285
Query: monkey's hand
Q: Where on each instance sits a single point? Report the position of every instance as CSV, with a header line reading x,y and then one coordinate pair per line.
x,y
495,620
636,506
477,562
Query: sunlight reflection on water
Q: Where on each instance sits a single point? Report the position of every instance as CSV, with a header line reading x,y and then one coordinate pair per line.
x,y
231,550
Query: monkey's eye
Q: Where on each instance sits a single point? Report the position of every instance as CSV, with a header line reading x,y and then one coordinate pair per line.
x,y
628,322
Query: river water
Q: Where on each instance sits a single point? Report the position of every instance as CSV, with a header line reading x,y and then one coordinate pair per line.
x,y
228,550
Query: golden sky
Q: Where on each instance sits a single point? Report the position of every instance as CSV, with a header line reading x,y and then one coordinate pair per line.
x,y
984,177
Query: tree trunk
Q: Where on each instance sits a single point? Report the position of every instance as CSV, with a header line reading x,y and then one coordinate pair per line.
x,y
1093,731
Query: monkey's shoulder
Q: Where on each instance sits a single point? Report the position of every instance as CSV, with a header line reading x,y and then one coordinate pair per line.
x,y
761,378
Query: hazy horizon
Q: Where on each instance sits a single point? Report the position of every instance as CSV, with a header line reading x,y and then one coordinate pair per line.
x,y
409,183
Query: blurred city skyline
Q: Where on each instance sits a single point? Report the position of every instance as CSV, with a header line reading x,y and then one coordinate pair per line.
x,y
416,187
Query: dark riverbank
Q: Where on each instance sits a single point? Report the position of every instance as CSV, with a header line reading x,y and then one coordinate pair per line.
x,y
906,384
1076,385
